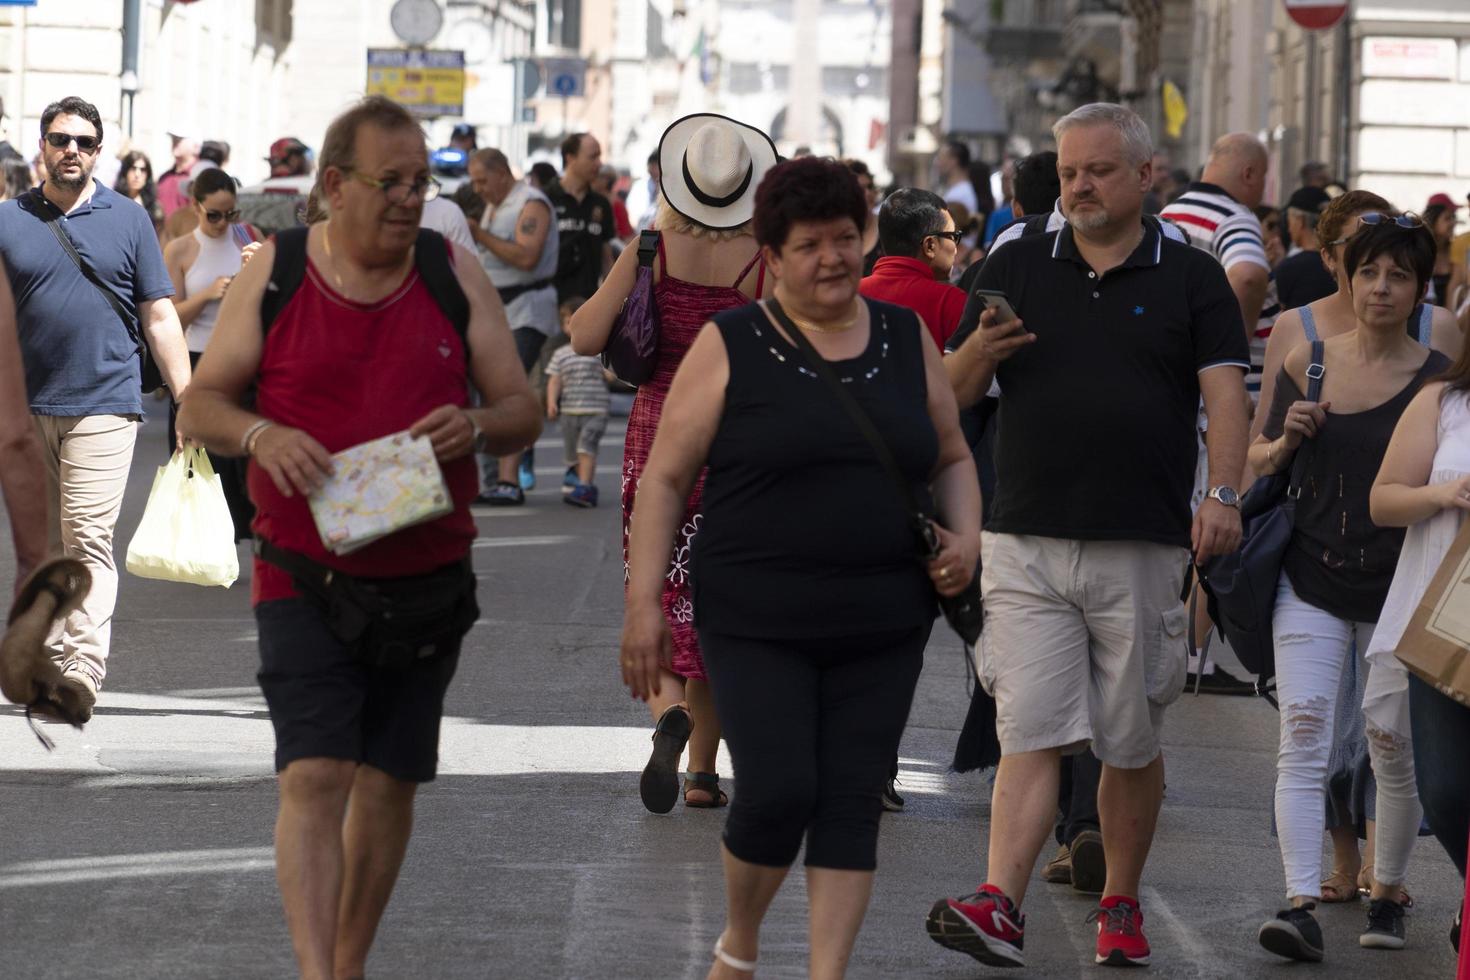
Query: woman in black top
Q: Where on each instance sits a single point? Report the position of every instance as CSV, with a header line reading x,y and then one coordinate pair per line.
x,y
1338,566
812,606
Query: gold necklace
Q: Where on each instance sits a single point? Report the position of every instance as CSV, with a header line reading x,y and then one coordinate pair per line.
x,y
814,327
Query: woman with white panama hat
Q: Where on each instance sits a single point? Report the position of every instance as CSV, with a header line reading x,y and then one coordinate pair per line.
x,y
711,166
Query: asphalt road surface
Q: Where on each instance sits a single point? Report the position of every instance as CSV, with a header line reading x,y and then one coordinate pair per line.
x,y
141,847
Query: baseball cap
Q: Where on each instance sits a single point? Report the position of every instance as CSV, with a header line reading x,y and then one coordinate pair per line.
x,y
1309,199
1442,199
281,151
462,131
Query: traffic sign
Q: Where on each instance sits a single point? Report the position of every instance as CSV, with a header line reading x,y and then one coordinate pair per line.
x,y
566,77
1316,15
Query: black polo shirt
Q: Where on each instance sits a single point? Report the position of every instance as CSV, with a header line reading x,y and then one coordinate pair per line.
x,y
1302,279
1096,434
584,226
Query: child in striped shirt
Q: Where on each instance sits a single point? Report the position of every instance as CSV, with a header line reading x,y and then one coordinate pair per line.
x,y
576,393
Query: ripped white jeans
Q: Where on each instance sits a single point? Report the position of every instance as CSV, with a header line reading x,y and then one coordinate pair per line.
x,y
1312,647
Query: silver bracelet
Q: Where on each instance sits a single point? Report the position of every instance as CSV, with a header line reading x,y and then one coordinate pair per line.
x,y
247,441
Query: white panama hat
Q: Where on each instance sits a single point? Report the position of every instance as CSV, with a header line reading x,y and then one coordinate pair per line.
x,y
710,166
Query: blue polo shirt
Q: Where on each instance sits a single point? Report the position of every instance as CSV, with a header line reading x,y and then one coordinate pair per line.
x,y
80,359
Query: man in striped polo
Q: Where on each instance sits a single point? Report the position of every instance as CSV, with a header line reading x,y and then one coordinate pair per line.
x,y
1216,212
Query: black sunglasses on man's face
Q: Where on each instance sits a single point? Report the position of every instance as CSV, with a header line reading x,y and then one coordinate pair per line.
x,y
60,141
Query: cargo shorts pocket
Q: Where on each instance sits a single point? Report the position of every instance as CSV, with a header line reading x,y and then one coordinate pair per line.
x,y
984,665
1166,656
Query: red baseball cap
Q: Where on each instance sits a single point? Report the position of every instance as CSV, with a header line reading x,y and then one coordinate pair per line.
x,y
1444,200
280,155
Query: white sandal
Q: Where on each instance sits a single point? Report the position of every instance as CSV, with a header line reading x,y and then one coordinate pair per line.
x,y
734,963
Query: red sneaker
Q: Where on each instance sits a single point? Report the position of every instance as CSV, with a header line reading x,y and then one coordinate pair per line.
x,y
985,925
1120,939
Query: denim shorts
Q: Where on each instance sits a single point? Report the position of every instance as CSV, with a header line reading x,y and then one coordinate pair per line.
x,y
325,702
581,434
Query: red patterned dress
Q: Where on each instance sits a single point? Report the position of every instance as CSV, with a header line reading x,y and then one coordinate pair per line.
x,y
683,308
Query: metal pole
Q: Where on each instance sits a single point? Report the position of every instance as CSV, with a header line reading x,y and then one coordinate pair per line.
x,y
131,38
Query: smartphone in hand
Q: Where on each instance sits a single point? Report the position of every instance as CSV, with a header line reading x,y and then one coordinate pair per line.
x,y
996,301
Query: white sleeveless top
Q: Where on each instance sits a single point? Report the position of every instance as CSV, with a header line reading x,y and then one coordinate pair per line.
x,y
535,308
217,257
1427,542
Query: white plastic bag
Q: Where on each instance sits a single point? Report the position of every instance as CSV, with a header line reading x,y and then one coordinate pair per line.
x,y
186,534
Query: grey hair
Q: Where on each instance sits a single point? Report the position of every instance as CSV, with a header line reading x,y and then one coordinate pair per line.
x,y
1137,142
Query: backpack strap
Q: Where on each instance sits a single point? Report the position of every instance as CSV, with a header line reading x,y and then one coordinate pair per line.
x,y
1315,372
431,258
288,269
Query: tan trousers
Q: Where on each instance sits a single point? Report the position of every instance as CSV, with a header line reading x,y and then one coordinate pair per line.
x,y
87,463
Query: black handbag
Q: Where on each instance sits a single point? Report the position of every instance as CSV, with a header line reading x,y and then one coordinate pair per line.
x,y
152,378
964,612
1241,586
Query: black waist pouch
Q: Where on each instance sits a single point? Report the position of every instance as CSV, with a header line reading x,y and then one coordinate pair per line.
x,y
391,622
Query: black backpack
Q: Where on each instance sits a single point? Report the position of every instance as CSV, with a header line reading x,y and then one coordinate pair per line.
x,y
431,259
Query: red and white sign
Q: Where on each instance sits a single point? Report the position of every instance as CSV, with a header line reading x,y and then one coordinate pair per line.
x,y
1316,15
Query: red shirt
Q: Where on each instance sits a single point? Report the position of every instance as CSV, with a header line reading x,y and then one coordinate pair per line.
x,y
347,373
911,283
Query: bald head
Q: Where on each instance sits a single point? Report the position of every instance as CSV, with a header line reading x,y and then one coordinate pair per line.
x,y
1238,163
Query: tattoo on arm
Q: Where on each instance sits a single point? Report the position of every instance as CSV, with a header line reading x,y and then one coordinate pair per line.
x,y
529,226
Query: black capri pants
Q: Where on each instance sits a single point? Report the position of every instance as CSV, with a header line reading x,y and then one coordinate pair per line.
x,y
812,726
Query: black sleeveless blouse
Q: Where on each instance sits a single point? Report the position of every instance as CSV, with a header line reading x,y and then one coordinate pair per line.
x,y
1338,559
803,533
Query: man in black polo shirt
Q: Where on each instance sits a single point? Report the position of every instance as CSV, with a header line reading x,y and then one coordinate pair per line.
x,y
1120,332
584,219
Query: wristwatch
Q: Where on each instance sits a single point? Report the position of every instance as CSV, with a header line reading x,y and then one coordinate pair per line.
x,y
1226,496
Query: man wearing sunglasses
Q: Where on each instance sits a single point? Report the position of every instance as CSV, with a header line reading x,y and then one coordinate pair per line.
x,y
82,323
917,236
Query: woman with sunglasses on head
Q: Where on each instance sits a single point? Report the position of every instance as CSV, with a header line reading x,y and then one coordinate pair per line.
x,y
1338,566
201,265
1351,806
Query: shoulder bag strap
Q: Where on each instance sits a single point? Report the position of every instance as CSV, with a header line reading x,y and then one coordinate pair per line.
x,y
918,518
1315,372
49,213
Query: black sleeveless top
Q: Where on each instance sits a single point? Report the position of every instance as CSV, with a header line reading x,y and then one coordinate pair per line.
x,y
1338,559
803,533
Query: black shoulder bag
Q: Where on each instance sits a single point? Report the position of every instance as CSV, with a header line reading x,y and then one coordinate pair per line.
x,y
48,213
965,612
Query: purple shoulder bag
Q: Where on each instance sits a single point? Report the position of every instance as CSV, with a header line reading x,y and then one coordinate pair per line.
x,y
632,347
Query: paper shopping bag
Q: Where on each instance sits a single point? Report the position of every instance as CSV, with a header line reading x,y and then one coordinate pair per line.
x,y
1436,644
186,534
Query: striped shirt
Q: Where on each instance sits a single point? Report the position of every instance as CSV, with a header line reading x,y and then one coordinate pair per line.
x,y
1219,224
583,386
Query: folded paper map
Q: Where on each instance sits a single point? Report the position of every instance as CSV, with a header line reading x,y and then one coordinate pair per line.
x,y
377,488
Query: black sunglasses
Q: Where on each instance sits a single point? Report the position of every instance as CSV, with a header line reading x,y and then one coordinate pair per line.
x,y
954,236
61,141
1408,220
215,217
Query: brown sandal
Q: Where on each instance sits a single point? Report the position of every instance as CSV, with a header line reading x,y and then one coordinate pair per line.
x,y
1365,888
1339,888
705,782
27,675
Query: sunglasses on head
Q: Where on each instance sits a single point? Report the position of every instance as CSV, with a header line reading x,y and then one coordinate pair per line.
x,y
1408,220
61,141
215,217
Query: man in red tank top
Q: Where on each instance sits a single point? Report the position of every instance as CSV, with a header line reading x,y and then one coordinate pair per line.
x,y
362,349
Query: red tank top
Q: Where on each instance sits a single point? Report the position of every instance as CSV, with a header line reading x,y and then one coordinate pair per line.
x,y
346,373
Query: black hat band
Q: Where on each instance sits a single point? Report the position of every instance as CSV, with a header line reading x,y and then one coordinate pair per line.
x,y
709,200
